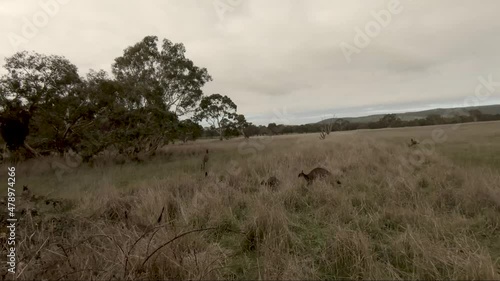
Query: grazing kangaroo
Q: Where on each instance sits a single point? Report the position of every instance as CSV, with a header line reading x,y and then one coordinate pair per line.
x,y
316,173
412,143
204,161
271,182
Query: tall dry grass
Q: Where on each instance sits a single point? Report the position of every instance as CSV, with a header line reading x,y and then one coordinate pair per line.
x,y
434,221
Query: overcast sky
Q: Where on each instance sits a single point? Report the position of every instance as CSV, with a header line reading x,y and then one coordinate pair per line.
x,y
282,61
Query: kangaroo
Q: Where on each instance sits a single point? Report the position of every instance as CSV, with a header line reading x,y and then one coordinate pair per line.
x,y
316,173
412,143
204,161
271,182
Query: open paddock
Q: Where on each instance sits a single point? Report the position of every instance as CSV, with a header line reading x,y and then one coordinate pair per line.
x,y
437,219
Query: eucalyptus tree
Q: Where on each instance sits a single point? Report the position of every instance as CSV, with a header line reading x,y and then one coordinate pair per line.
x,y
45,92
219,111
160,84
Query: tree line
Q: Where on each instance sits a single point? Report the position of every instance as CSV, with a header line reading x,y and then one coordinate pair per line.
x,y
387,121
152,97
461,116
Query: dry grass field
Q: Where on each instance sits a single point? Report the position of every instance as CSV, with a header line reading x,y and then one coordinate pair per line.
x,y
438,218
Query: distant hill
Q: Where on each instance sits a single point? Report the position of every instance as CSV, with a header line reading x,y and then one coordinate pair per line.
x,y
407,116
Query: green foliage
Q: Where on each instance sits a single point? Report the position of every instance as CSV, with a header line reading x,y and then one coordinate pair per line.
x,y
162,78
340,125
38,80
158,85
273,128
136,110
251,130
390,120
237,128
219,111
189,130
49,88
